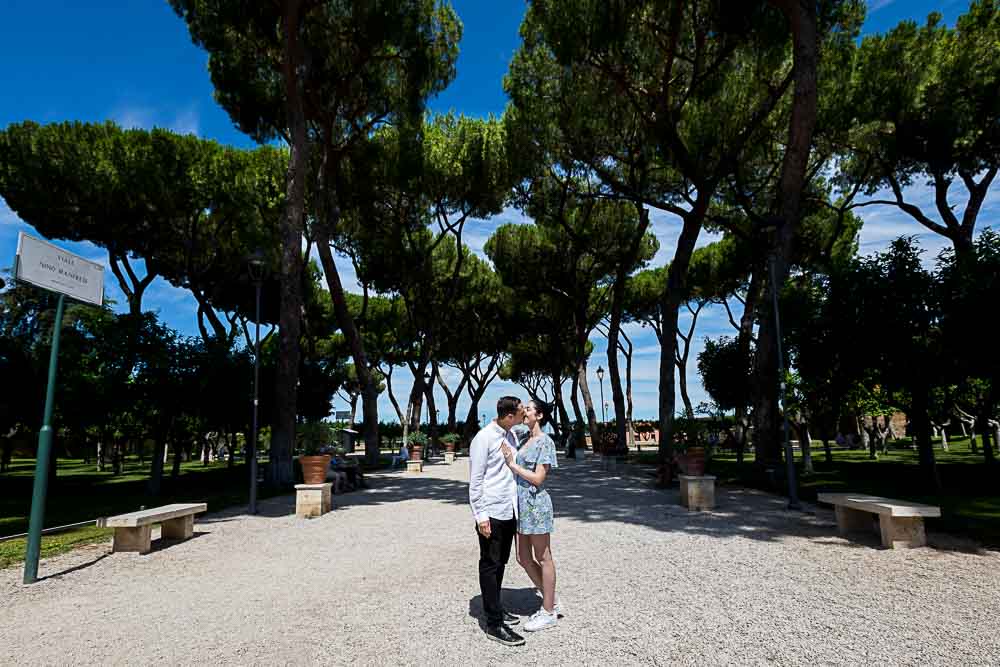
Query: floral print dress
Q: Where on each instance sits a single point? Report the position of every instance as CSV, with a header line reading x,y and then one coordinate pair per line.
x,y
533,503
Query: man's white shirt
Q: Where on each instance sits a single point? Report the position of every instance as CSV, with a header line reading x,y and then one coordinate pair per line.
x,y
492,489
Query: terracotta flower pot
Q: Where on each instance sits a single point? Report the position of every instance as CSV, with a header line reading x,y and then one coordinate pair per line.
x,y
314,468
449,447
696,461
416,452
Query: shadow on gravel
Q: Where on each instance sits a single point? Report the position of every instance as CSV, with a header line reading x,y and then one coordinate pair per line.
x,y
583,490
517,601
76,568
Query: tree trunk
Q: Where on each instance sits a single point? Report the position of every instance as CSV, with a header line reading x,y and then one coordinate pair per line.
x,y
682,382
175,471
801,17
560,407
576,439
672,299
291,226
615,323
369,409
354,408
432,440
827,452
392,395
450,397
922,436
471,418
628,395
595,432
743,340
805,444
983,426
156,471
369,390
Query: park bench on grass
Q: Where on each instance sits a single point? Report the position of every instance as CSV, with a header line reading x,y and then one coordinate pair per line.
x,y
133,530
901,523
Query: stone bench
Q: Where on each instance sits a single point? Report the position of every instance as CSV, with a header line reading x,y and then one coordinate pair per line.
x,y
133,531
697,491
901,523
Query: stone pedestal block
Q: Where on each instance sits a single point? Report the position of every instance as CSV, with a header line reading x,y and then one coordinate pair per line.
x,y
852,520
414,465
449,457
313,500
133,539
180,528
902,532
697,493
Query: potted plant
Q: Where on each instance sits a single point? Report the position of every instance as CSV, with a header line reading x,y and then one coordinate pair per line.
x,y
417,441
691,457
312,440
450,441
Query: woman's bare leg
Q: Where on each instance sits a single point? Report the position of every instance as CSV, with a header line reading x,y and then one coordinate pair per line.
x,y
524,559
541,546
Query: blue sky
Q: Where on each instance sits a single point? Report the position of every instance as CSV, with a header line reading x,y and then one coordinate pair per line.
x,y
134,63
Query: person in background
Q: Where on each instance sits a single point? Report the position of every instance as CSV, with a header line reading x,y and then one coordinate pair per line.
x,y
402,457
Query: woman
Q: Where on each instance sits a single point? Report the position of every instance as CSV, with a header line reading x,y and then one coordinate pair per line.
x,y
531,465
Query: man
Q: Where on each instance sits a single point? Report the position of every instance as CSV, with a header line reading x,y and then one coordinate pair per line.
x,y
493,497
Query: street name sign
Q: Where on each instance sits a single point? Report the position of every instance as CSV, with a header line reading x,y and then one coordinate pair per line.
x,y
50,267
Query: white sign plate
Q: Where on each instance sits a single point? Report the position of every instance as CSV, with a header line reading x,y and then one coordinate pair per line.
x,y
50,267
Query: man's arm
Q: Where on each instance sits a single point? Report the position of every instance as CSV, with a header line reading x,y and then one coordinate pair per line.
x,y
477,475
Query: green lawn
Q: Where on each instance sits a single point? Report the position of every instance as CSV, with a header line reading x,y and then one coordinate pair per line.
x,y
81,493
969,501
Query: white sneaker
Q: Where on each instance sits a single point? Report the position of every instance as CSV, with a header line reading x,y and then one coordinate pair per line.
x,y
541,620
557,609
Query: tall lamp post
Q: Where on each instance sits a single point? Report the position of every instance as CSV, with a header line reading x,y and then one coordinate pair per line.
x,y
793,494
600,376
255,265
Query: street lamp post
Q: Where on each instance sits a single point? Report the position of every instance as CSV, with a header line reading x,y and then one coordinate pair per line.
x,y
600,376
255,265
793,494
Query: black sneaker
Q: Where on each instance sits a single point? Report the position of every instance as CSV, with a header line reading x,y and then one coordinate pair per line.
x,y
504,635
511,619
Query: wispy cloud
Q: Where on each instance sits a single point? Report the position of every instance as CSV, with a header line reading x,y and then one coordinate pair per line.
x,y
182,121
875,5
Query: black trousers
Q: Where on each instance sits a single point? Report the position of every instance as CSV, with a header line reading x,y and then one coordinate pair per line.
x,y
494,552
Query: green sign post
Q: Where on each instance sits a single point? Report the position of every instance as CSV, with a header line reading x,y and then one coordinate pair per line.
x,y
41,486
47,266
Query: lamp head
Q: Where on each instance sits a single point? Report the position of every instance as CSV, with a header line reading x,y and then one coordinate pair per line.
x,y
255,263
600,373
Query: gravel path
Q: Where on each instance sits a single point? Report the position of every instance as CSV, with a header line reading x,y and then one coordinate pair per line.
x,y
389,577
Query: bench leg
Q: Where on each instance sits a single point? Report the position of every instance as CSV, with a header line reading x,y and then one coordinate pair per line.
x,y
684,492
902,532
180,528
133,539
851,520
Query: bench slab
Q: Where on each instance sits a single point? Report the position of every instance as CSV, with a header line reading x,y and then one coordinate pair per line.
x,y
133,531
155,515
879,505
900,523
